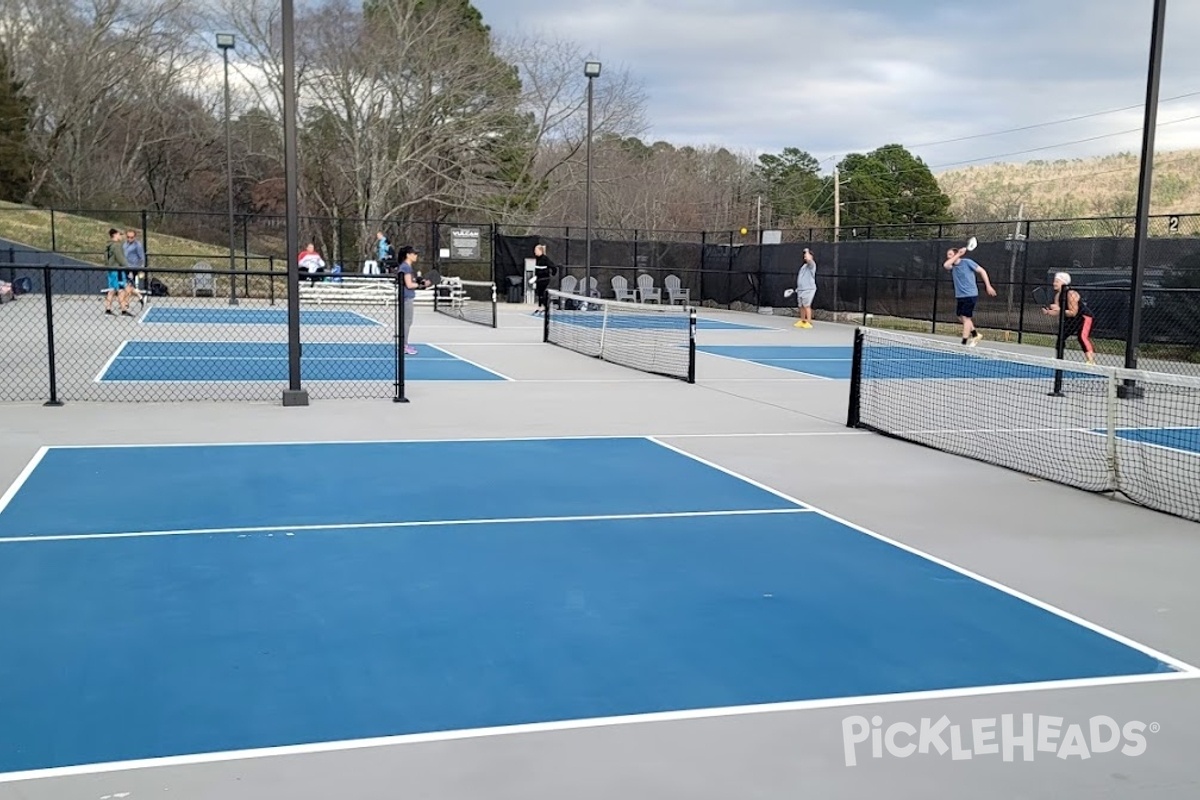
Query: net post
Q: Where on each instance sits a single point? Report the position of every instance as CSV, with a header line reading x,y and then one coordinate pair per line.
x,y
603,329
53,401
1110,425
852,416
1060,345
546,317
691,376
495,320
400,343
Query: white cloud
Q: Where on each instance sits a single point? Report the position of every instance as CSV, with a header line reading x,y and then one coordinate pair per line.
x,y
835,77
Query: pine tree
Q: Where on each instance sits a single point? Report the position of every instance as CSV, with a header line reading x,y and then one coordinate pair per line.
x,y
16,111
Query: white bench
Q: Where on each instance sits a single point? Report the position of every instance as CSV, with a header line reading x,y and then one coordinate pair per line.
x,y
351,289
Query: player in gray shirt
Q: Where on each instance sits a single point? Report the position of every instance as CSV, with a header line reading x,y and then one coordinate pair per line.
x,y
806,289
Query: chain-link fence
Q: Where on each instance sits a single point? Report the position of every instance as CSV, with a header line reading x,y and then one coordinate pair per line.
x,y
70,335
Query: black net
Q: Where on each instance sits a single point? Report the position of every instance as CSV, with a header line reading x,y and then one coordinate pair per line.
x,y
1096,428
470,301
658,339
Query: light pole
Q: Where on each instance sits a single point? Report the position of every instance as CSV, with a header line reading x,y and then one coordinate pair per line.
x,y
592,70
225,41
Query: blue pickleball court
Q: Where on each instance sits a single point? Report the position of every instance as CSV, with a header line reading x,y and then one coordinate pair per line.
x,y
201,315
883,363
203,362
1181,439
259,596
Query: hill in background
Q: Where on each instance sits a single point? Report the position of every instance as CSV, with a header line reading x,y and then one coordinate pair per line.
x,y
1074,188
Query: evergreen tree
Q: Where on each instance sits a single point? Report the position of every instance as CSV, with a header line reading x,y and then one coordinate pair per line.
x,y
16,111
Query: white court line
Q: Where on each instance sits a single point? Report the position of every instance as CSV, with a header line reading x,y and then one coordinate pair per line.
x,y
7,497
548,438
373,321
581,724
760,364
469,361
359,526
1163,657
108,364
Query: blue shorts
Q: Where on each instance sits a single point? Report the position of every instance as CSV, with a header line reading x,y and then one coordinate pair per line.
x,y
965,307
116,281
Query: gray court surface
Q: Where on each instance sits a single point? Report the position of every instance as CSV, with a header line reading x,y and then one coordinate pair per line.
x,y
1117,566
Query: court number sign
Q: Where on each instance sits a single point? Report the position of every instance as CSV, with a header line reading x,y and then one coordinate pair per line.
x,y
1173,224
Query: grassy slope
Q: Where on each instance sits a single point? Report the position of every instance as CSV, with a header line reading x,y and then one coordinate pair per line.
x,y
1105,186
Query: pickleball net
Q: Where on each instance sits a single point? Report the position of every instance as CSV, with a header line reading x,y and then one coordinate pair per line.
x,y
1100,429
470,301
656,339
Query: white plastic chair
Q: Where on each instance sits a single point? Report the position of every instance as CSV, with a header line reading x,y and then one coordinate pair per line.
x,y
674,292
647,291
621,289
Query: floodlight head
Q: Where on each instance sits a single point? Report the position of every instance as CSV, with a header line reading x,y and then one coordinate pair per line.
x,y
591,69
225,41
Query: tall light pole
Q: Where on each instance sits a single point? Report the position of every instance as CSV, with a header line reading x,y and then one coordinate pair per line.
x,y
295,394
1129,389
592,70
225,41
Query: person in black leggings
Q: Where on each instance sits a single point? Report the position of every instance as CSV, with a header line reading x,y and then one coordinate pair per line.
x,y
544,270
1078,313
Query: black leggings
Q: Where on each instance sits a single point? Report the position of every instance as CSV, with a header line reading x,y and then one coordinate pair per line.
x,y
540,287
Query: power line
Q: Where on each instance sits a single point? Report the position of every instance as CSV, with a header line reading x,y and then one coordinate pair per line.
x,y
1048,124
1061,144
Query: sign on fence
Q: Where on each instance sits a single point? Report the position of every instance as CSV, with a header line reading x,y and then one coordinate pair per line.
x,y
465,244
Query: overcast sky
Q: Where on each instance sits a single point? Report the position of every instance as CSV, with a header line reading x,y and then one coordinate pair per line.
x,y
839,76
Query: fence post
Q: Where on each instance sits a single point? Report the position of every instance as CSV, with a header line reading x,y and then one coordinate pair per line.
x,y
400,343
53,401
271,278
246,253
1024,279
937,289
53,233
146,251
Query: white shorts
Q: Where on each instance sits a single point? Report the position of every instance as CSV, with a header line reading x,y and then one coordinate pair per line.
x,y
804,297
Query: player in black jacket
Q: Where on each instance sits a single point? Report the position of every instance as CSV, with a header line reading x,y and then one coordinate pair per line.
x,y
542,273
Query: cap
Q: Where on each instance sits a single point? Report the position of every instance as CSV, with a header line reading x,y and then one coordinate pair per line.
x,y
405,250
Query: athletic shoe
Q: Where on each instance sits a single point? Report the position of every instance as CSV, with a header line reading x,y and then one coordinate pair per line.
x,y
412,351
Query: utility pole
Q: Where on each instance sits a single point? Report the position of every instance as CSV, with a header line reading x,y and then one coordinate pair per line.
x,y
837,205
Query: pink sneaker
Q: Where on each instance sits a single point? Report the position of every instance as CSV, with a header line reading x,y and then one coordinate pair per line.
x,y
412,351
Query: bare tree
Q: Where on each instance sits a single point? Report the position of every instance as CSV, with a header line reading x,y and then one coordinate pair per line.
x,y
83,63
554,103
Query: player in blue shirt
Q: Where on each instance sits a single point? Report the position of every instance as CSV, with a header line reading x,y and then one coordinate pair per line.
x,y
966,291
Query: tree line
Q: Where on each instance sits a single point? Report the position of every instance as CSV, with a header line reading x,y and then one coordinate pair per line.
x,y
409,109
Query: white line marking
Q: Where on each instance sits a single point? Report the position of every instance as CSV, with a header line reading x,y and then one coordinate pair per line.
x,y
580,724
7,497
1166,659
469,361
435,523
760,364
561,438
239,359
108,364
373,321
